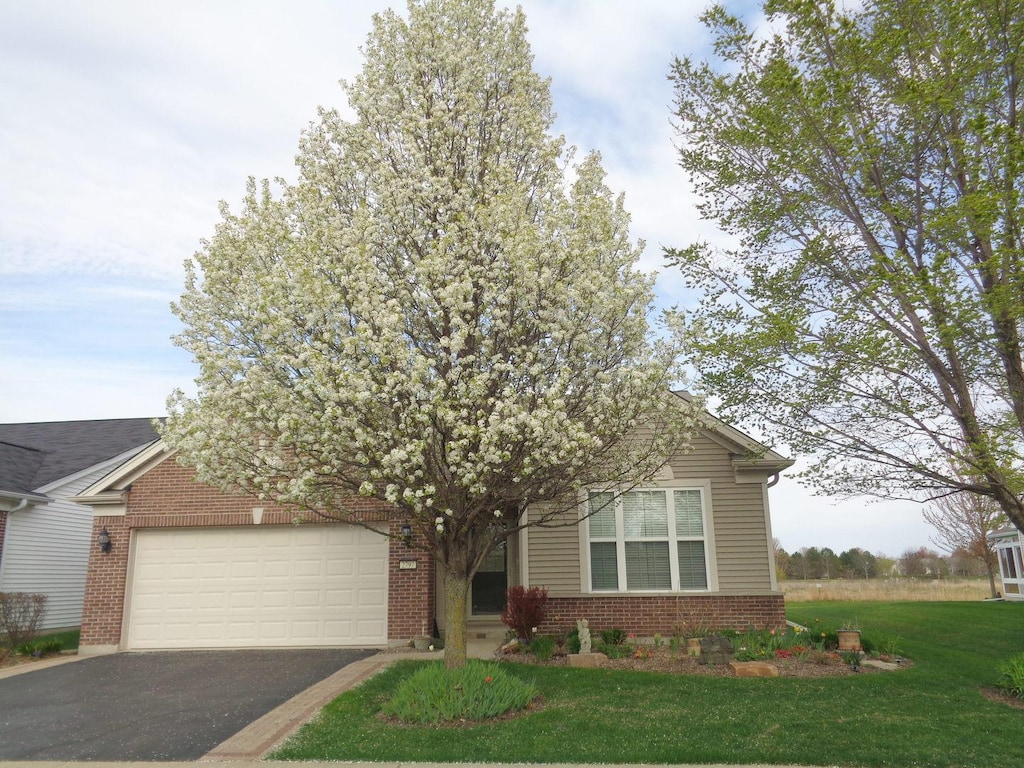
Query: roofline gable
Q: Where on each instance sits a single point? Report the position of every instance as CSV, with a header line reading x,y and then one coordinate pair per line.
x,y
749,455
109,491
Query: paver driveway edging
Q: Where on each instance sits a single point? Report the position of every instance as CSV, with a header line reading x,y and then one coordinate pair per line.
x,y
262,735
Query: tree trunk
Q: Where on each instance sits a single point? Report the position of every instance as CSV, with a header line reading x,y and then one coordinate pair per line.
x,y
456,593
991,579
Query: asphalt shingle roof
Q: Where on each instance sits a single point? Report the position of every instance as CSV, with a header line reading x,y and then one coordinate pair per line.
x,y
34,455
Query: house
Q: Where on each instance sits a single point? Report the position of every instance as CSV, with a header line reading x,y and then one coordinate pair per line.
x,y
192,567
1008,542
45,537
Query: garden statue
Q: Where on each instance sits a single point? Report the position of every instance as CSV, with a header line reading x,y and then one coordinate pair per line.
x,y
584,629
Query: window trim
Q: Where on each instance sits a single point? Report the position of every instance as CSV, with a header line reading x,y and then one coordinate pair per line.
x,y
672,538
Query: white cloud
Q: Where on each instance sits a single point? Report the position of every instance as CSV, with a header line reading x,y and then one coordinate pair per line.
x,y
124,123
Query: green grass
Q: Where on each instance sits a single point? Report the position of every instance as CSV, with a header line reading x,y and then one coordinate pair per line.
x,y
68,640
930,715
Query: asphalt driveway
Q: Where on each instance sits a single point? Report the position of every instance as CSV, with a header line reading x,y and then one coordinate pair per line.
x,y
152,706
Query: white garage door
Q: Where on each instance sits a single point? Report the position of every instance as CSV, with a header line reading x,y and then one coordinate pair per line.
x,y
281,586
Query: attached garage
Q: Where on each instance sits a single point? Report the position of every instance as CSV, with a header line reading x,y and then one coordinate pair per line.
x,y
257,586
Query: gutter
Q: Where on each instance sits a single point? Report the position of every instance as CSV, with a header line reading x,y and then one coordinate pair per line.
x,y
22,500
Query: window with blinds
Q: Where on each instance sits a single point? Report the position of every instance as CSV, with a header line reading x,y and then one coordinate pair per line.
x,y
647,541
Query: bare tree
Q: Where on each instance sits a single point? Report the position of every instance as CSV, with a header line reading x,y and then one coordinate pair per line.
x,y
963,522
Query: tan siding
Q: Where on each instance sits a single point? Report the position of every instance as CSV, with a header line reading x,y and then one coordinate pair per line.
x,y
555,558
737,513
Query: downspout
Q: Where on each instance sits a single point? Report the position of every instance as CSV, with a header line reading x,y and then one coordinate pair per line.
x,y
20,506
773,481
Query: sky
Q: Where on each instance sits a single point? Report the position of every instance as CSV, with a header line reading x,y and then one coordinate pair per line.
x,y
124,123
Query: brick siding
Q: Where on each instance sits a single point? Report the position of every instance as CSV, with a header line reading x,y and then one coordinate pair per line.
x,y
169,497
3,530
666,614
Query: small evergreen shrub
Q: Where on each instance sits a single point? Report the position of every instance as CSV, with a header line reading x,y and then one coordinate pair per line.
x,y
478,691
525,610
1011,676
20,613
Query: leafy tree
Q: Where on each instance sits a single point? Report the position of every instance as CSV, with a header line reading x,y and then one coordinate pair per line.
x,y
857,563
884,564
963,523
796,566
440,313
869,162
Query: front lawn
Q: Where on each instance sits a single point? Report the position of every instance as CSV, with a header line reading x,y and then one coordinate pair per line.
x,y
930,715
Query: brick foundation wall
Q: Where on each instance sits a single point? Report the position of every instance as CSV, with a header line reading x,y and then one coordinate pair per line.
x,y
168,497
666,614
3,530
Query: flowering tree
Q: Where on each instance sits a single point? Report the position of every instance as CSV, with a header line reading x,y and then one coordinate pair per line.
x,y
441,313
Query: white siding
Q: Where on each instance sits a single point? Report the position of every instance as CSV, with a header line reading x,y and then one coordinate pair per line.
x,y
46,548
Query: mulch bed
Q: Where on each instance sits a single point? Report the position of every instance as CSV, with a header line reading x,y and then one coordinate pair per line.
x,y
664,660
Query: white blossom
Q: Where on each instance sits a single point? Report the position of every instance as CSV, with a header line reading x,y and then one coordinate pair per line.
x,y
442,312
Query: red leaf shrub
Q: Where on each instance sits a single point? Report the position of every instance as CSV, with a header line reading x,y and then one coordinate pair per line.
x,y
524,610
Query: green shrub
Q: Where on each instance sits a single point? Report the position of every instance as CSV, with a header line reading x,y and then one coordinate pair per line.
x,y
1011,676
543,647
478,691
616,650
43,647
572,641
613,636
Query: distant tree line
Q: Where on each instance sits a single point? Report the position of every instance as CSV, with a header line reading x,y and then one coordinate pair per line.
x,y
921,563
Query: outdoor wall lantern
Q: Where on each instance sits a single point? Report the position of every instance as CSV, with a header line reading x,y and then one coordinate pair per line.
x,y
407,534
104,541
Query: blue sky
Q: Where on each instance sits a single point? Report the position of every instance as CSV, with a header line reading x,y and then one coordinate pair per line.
x,y
123,123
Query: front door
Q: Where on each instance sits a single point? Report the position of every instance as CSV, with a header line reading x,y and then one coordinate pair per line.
x,y
491,582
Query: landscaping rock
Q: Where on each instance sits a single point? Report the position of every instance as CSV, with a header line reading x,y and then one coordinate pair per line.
x,y
754,669
879,664
715,649
587,659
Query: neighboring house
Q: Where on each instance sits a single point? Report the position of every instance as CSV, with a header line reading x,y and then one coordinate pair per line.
x,y
44,537
191,567
1008,543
